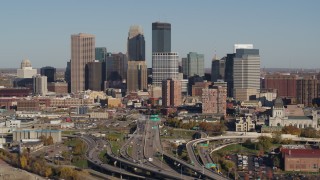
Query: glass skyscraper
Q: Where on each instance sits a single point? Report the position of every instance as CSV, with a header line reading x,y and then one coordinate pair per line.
x,y
136,44
101,53
161,37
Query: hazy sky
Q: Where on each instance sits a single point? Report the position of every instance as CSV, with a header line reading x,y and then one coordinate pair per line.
x,y
287,32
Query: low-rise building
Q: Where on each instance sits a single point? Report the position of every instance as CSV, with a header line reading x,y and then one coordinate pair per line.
x,y
304,160
245,124
19,135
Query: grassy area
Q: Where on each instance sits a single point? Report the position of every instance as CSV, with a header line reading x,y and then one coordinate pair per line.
x,y
67,132
102,156
116,140
83,163
237,148
130,150
178,134
72,142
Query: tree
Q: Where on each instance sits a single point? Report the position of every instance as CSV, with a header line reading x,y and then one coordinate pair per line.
x,y
309,132
276,138
291,130
265,142
66,173
49,140
23,162
48,172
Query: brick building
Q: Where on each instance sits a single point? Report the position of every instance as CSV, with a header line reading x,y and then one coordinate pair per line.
x,y
305,160
198,86
58,87
285,84
214,100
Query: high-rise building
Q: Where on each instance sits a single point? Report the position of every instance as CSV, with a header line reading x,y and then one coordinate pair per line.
x,y
26,70
82,52
214,100
101,53
242,46
171,93
198,86
137,67
116,66
50,72
285,84
229,73
246,74
161,37
164,66
218,69
136,44
193,64
39,85
94,76
137,76
67,75
307,90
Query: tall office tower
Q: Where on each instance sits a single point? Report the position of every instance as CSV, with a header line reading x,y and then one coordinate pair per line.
x,y
307,90
50,72
94,76
136,44
193,64
101,53
26,70
39,85
82,52
161,37
218,69
116,67
229,73
242,46
214,100
137,67
285,84
171,93
137,76
67,75
164,66
246,73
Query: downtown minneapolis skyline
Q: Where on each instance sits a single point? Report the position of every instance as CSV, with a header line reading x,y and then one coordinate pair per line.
x,y
286,32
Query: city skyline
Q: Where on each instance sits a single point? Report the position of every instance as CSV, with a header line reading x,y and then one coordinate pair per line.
x,y
285,38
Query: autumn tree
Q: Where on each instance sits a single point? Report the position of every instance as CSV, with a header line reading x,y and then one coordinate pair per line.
x,y
23,161
291,130
309,132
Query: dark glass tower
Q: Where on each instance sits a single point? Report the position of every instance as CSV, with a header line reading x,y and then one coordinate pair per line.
x,y
101,53
161,37
229,74
50,72
136,44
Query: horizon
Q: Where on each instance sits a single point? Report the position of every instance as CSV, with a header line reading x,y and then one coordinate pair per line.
x,y
284,37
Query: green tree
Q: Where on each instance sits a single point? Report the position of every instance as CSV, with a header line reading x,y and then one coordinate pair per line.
x,y
49,140
265,142
66,173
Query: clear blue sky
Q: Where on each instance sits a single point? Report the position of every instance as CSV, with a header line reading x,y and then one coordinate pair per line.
x,y
287,32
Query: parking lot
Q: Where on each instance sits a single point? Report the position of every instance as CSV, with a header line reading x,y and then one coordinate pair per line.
x,y
252,167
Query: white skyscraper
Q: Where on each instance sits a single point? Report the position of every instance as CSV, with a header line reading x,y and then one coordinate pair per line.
x,y
242,46
165,65
40,85
246,73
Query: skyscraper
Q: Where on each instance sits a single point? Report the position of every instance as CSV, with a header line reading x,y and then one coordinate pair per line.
x,y
94,76
242,46
307,90
39,85
82,52
136,44
161,37
218,69
50,72
193,65
246,73
164,66
171,93
137,67
101,53
229,73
